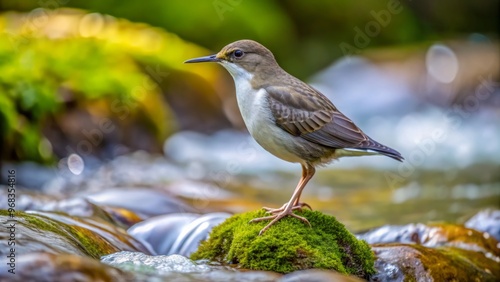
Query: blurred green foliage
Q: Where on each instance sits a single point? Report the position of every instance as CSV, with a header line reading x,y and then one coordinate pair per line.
x,y
37,73
305,36
111,68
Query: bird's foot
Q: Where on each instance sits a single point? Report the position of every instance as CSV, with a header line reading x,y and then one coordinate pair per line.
x,y
298,206
277,216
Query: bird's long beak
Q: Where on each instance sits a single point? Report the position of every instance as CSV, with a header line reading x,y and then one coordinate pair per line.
x,y
211,58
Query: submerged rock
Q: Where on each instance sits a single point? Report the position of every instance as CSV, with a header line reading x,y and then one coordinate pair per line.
x,y
434,252
39,266
288,245
57,233
435,235
412,262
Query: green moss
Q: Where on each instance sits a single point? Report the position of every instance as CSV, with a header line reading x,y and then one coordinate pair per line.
x,y
288,245
465,263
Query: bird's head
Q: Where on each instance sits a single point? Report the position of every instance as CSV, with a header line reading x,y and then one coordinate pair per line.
x,y
242,57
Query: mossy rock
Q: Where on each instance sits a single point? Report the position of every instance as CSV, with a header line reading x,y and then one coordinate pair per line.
x,y
288,245
60,235
414,262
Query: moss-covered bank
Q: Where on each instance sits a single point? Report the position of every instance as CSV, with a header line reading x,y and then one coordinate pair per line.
x,y
288,245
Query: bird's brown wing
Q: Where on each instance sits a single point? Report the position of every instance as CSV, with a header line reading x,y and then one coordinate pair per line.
x,y
303,111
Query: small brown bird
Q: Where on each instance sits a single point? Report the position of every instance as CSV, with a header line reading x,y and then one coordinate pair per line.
x,y
289,118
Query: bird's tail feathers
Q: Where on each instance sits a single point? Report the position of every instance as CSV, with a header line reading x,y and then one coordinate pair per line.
x,y
372,145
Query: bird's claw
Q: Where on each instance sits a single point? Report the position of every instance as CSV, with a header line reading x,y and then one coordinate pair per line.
x,y
301,205
275,217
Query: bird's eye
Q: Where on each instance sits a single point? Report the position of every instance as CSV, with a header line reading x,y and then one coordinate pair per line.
x,y
238,53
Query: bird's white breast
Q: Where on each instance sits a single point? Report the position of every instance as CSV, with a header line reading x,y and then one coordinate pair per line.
x,y
258,118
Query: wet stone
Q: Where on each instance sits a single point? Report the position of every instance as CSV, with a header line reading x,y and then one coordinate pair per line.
x,y
116,236
434,235
57,233
39,266
412,262
434,252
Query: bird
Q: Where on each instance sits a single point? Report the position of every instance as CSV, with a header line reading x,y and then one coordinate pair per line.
x,y
290,119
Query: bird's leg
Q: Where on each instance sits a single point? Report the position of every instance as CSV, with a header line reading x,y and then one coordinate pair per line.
x,y
289,207
297,205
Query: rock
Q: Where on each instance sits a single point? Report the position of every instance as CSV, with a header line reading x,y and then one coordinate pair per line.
x,y
57,233
176,233
433,236
114,235
64,267
412,262
434,252
486,221
288,245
